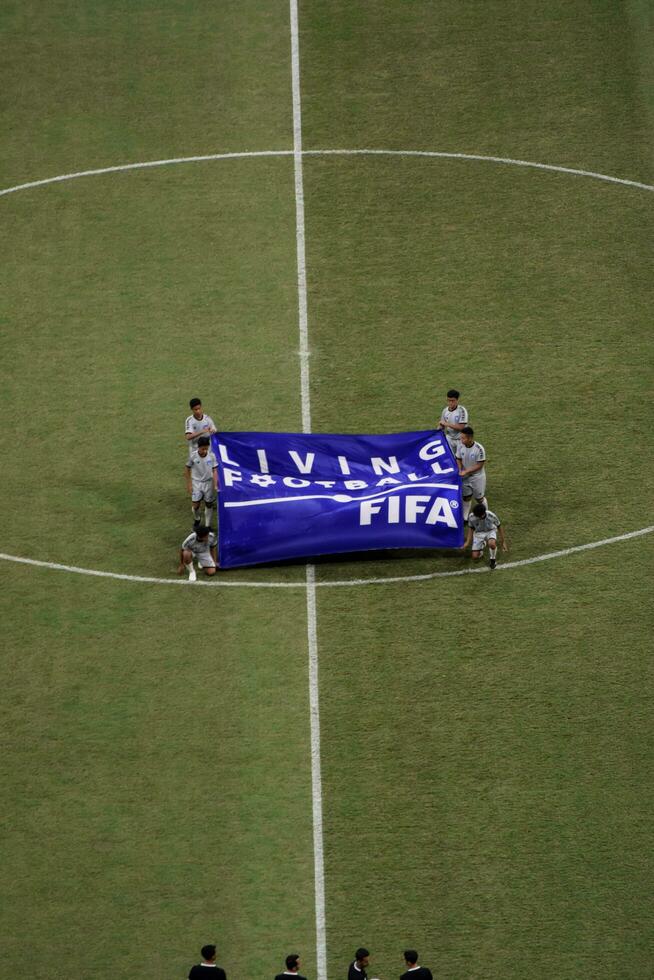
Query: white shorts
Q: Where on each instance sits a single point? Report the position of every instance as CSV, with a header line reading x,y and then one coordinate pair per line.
x,y
203,491
479,539
474,486
205,560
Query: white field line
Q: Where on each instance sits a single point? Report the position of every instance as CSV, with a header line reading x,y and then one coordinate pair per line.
x,y
479,157
144,166
220,582
316,778
303,320
485,159
305,394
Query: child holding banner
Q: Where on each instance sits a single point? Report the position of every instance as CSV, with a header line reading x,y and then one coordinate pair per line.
x,y
197,424
454,418
471,460
202,481
201,545
483,528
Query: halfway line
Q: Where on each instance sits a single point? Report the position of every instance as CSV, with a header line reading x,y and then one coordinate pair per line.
x,y
312,628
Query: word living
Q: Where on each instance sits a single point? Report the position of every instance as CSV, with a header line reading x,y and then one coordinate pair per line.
x,y
381,467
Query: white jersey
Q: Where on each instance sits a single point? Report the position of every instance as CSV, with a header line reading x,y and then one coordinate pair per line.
x,y
458,415
202,467
481,525
198,548
471,455
196,426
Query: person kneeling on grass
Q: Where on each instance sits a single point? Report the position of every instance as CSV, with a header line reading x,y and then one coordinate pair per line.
x,y
483,526
200,544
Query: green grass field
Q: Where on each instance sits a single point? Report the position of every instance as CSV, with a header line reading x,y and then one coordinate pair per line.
x,y
486,741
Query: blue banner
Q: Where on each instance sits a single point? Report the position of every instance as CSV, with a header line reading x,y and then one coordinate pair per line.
x,y
289,495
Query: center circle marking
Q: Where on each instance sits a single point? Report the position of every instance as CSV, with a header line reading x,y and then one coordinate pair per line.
x,y
430,154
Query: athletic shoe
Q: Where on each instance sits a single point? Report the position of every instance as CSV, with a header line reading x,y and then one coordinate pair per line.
x,y
493,563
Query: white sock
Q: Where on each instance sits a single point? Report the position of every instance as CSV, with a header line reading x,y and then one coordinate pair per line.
x,y
466,509
484,502
191,572
208,514
196,514
492,552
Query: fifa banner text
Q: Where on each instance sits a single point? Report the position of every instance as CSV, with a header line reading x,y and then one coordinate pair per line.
x,y
289,495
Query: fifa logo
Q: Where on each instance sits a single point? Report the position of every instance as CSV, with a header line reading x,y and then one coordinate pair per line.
x,y
408,510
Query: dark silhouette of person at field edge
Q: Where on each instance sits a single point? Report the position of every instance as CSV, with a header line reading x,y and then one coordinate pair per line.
x,y
413,971
292,968
207,969
357,970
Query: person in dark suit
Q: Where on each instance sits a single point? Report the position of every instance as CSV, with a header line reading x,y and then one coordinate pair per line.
x,y
413,971
292,968
357,970
207,969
